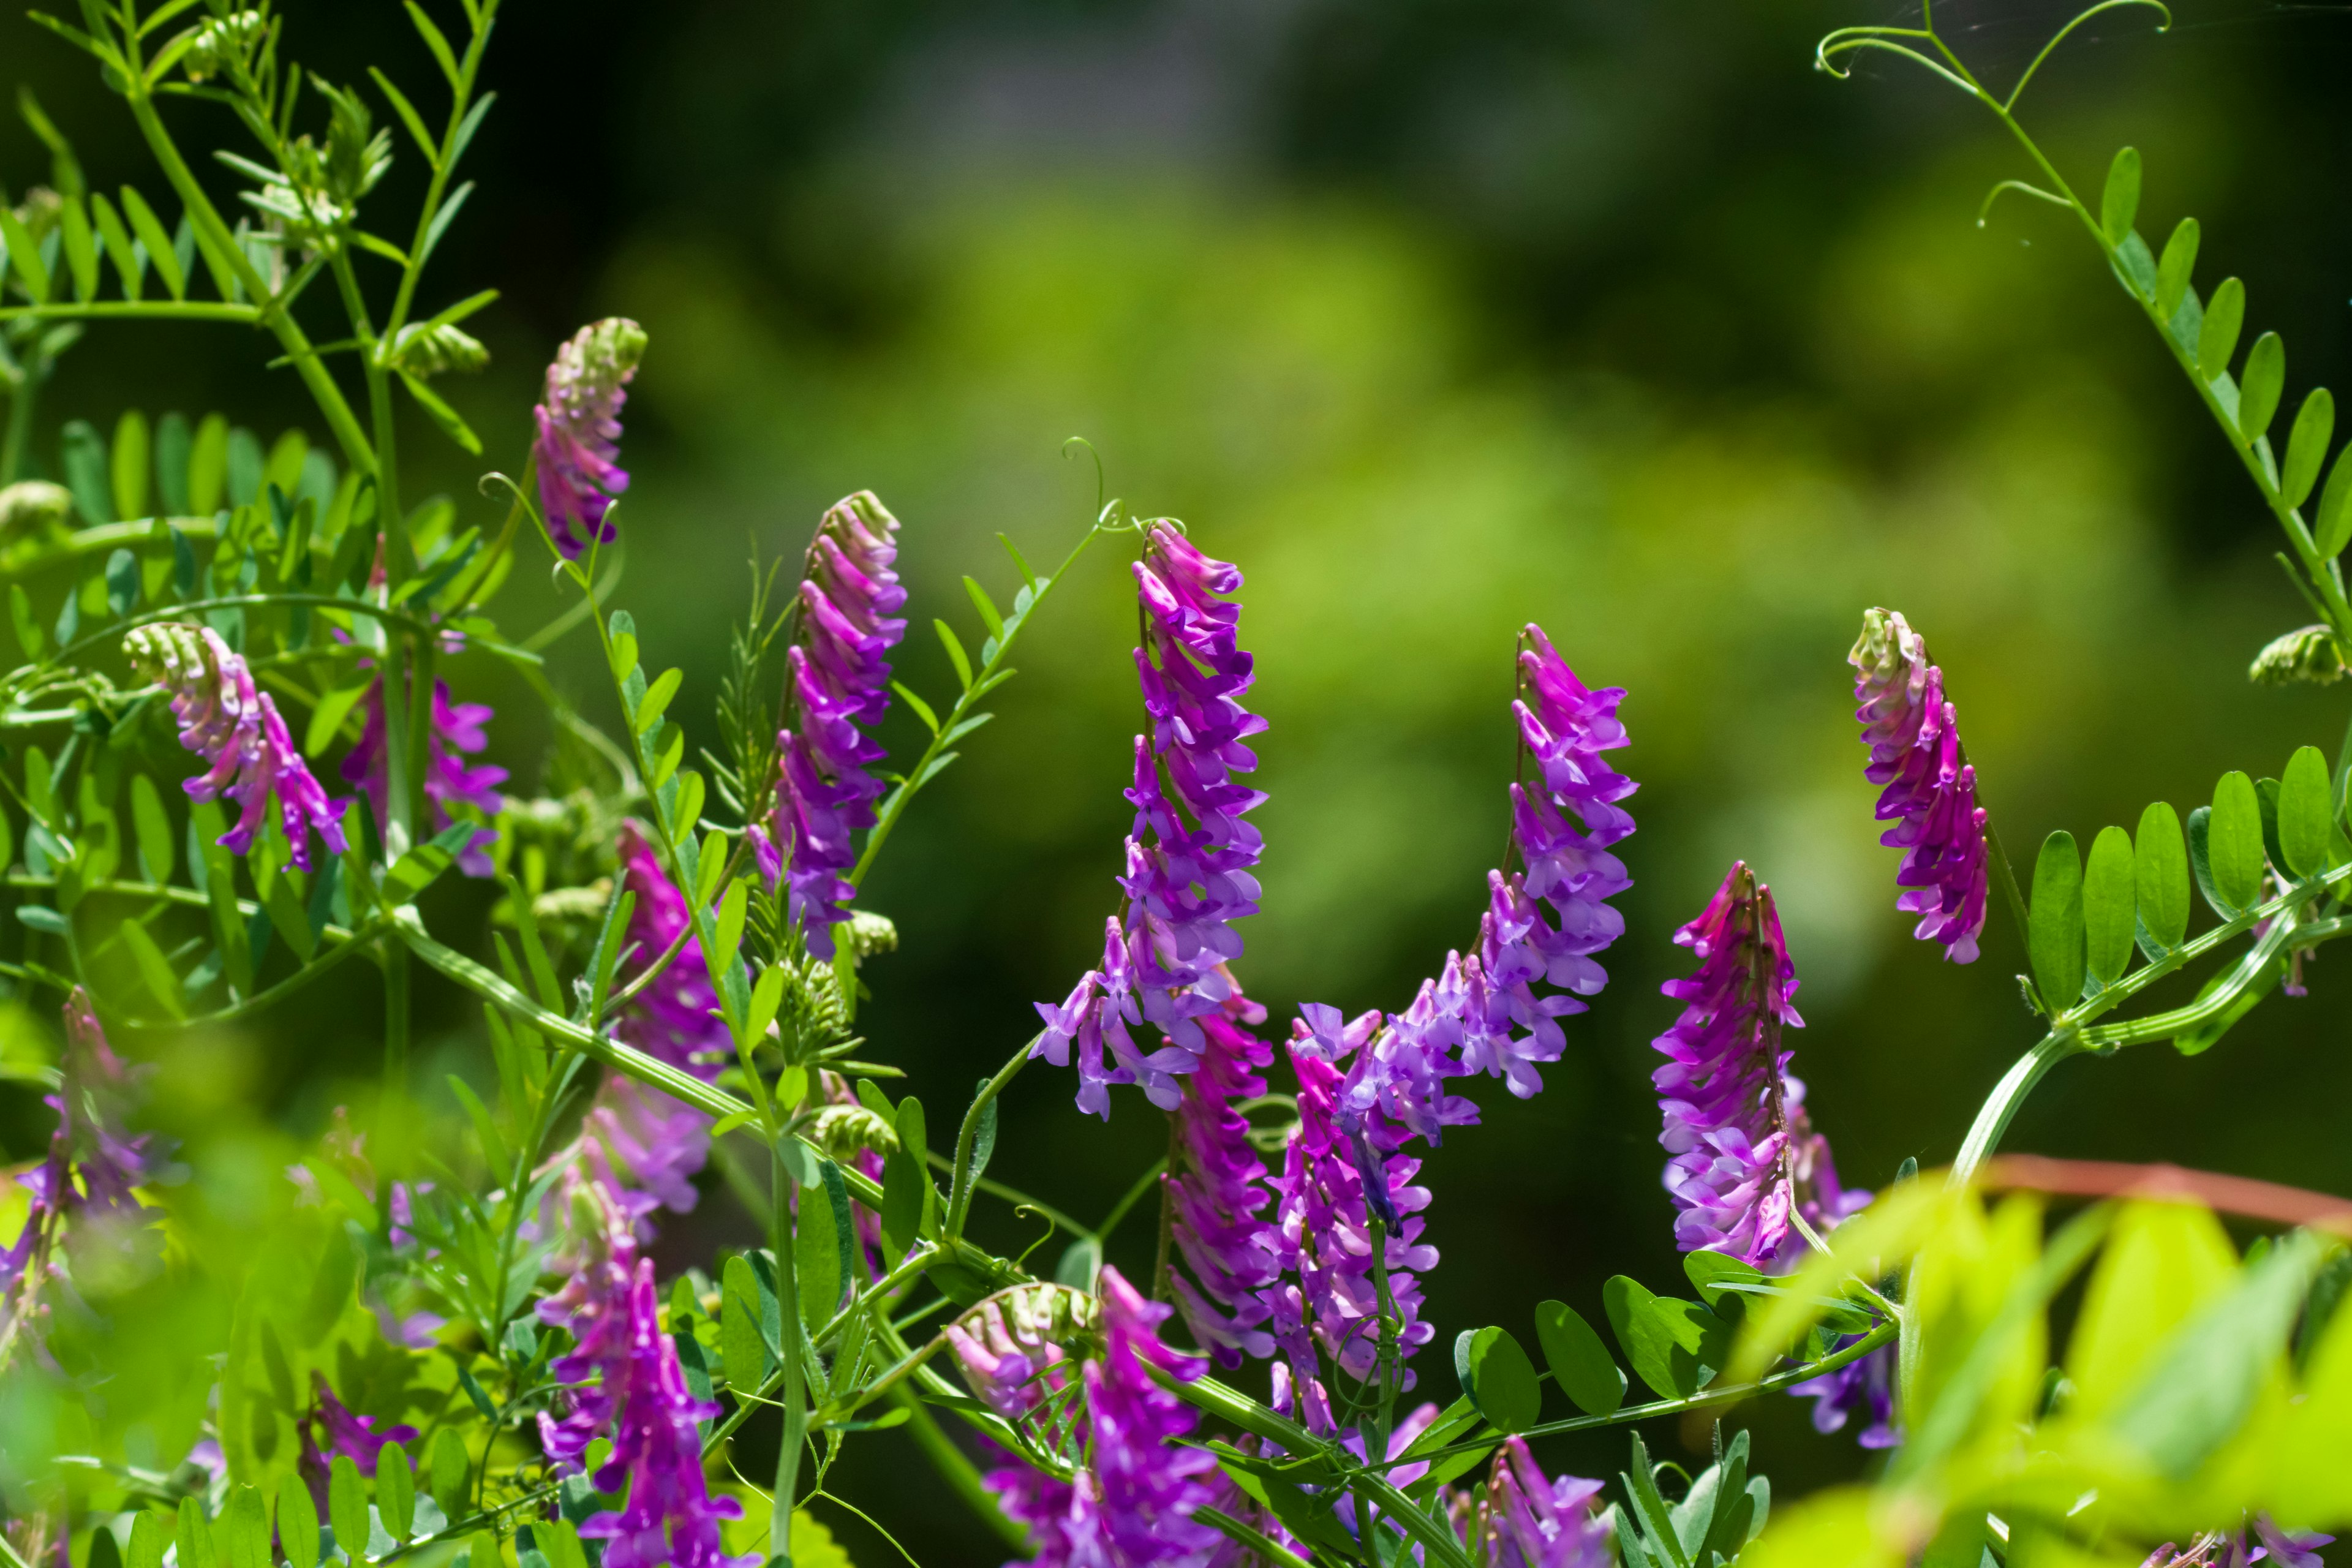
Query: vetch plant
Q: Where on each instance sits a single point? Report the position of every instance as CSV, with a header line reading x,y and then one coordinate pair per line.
x,y
453,1341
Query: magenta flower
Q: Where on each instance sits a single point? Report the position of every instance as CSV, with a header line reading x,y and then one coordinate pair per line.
x,y
459,729
625,1384
332,1430
237,730
1216,1187
838,678
1931,793
578,449
1147,1486
1008,1362
661,1143
1744,1157
1189,851
1535,1522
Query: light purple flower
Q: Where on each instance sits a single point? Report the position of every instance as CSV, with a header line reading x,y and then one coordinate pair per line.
x,y
578,449
459,729
1532,1522
1147,1486
1009,1363
1931,793
1190,851
638,1397
837,678
237,730
1744,1157
2230,1549
1216,1187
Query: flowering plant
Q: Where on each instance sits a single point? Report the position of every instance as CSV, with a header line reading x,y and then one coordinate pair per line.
x,y
459,1344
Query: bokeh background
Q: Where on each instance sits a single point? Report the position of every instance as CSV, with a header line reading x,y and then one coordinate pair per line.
x,y
1438,316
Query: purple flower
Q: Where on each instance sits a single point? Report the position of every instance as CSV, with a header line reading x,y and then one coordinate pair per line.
x,y
2230,1549
237,730
1930,794
332,1431
1147,1486
1189,851
638,1397
578,447
1063,1524
1335,1178
837,679
1744,1155
1216,1187
662,1142
1007,1360
1867,1386
1534,1522
459,729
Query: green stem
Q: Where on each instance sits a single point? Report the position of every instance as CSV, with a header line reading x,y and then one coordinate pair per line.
x,y
137,311
796,1397
395,1023
959,1189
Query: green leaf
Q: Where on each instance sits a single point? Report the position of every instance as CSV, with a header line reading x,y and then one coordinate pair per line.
x,y
2054,923
452,1472
133,455
486,1129
159,249
444,417
1579,1363
2333,524
2217,340
822,1261
922,709
148,1538
903,1185
2264,380
1676,1346
710,864
1499,1379
987,608
2172,275
83,452
956,655
1657,1523
623,634
327,716
24,256
2203,1382
129,263
657,700
395,1485
192,1536
347,1507
153,829
244,1529
297,1523
208,466
80,248
439,45
2119,203
2160,877
2306,814
2110,905
742,1351
153,967
2163,1261
2234,843
30,635
2306,446
121,583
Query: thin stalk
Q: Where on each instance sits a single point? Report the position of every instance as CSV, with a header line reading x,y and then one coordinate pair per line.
x,y
959,1189
395,1022
796,1397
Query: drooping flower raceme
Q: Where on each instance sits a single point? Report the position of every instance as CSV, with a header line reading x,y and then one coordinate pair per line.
x,y
1931,794
1216,1189
459,729
838,677
1533,1522
1743,1155
1190,851
578,449
662,1142
624,1382
235,728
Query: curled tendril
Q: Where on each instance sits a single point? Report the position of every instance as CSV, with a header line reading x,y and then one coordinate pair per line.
x,y
2158,6
1101,485
1834,53
2023,188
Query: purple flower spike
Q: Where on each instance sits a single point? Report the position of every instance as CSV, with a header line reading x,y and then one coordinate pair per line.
x,y
1215,1193
661,1143
1189,851
237,730
639,1398
1535,1522
578,449
1744,1156
1147,1486
1931,794
459,729
838,679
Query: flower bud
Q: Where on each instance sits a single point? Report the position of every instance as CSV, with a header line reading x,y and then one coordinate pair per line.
x,y
2307,654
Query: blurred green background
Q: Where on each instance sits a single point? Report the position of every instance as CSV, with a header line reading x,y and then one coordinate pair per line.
x,y
1437,316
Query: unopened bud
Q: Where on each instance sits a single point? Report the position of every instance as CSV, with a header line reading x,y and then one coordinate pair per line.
x,y
2307,654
